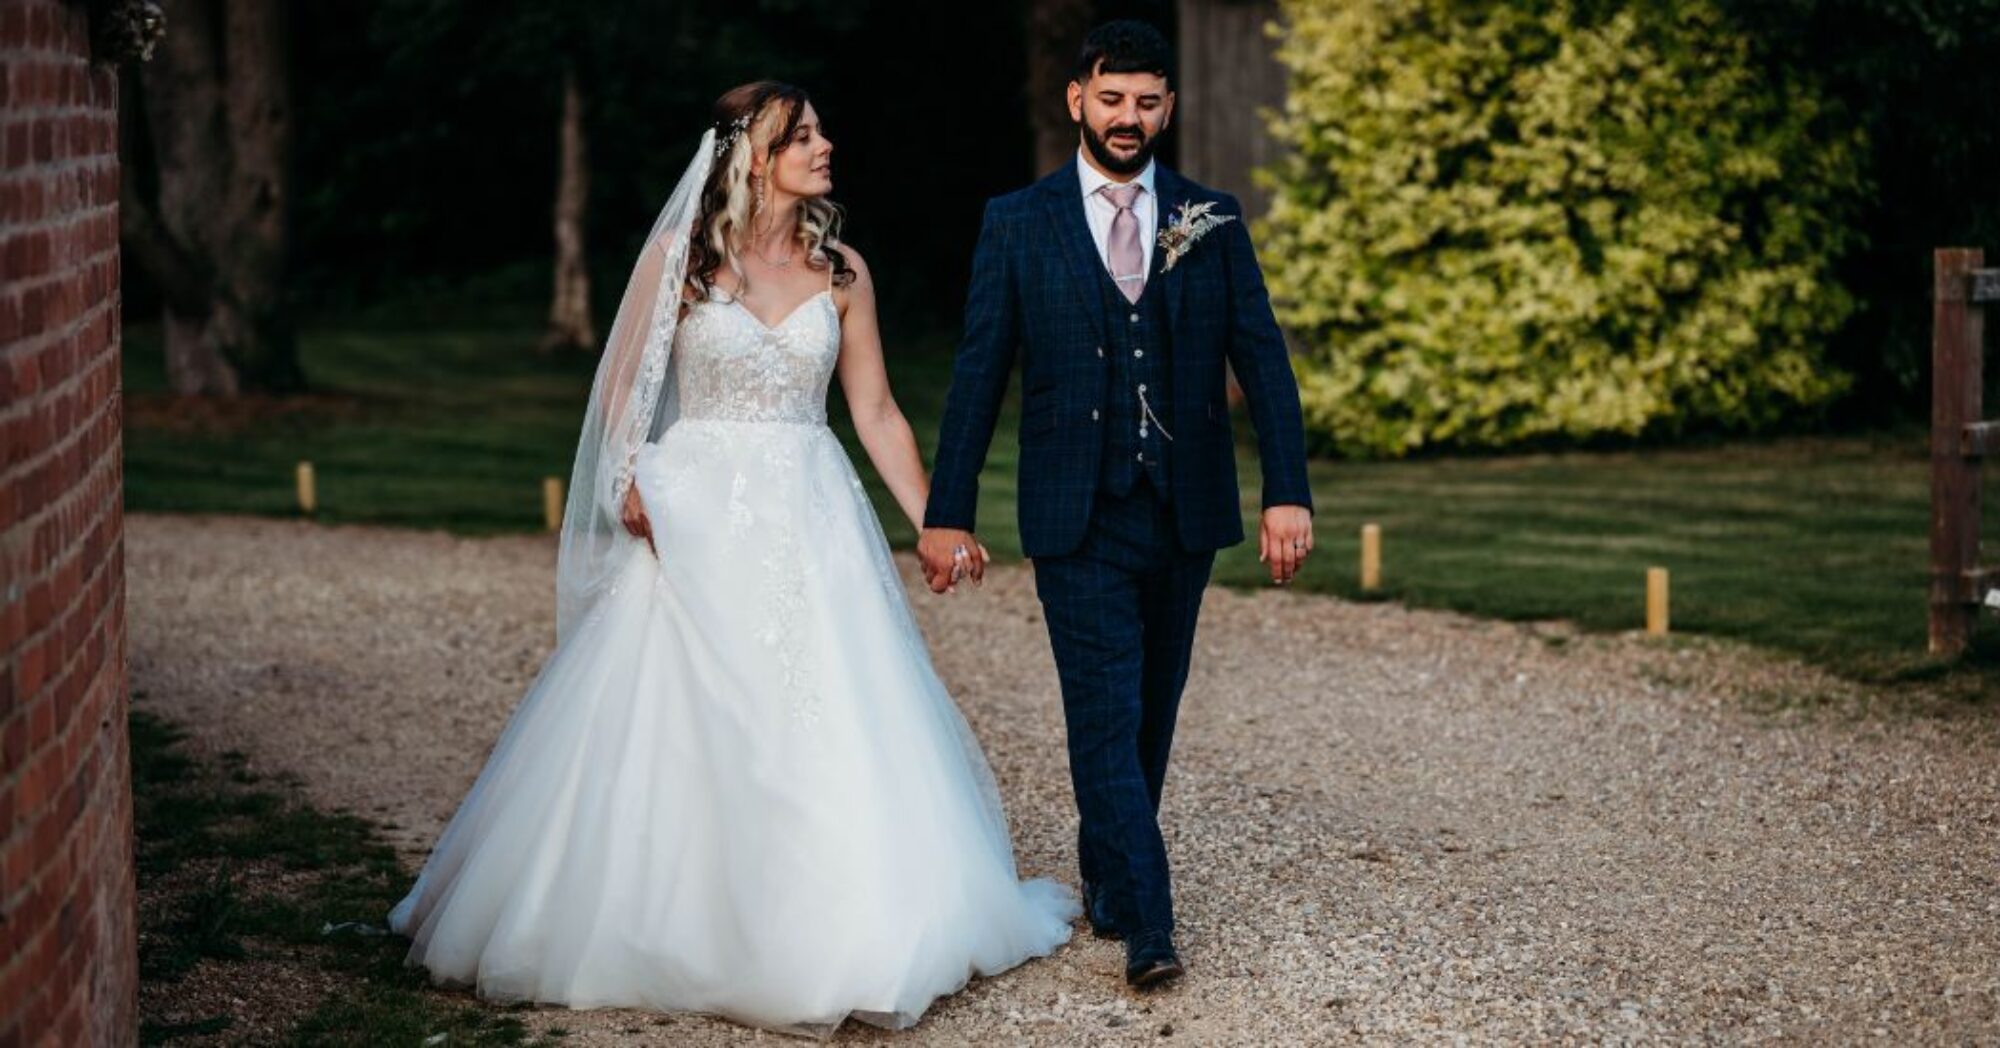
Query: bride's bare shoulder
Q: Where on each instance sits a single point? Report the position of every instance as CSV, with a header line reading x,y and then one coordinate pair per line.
x,y
859,277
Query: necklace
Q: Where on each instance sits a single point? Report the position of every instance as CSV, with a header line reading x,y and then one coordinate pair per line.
x,y
751,243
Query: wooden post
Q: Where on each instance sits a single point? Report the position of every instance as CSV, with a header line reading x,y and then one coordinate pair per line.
x,y
1371,557
1656,601
1956,333
308,491
552,503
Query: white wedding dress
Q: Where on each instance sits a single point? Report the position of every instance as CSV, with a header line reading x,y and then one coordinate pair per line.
x,y
738,787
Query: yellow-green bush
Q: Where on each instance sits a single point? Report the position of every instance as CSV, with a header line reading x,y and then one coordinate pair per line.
x,y
1504,223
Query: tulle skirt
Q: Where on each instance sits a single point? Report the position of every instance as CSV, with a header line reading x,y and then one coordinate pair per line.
x,y
738,787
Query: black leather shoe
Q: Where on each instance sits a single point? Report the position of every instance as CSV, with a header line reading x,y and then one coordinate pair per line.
x,y
1101,924
1150,961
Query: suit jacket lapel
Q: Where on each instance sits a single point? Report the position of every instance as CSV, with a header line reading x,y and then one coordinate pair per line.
x,y
1064,203
1171,195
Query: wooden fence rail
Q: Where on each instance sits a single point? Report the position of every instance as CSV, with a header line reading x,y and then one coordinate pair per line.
x,y
1960,438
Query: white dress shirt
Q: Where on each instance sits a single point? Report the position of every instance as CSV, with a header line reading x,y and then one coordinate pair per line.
x,y
1099,210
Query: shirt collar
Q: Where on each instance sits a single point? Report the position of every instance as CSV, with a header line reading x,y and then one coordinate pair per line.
x,y
1093,178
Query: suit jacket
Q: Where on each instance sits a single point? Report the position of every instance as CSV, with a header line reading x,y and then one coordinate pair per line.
x,y
1035,294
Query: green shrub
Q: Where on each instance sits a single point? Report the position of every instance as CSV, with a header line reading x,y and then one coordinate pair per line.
x,y
1509,223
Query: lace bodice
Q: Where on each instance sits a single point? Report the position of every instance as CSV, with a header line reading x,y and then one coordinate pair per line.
x,y
729,365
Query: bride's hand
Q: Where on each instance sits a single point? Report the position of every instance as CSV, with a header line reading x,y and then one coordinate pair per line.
x,y
947,557
633,516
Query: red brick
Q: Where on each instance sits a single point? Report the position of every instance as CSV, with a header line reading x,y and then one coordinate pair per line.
x,y
33,302
14,876
42,1013
72,1028
17,872
21,75
30,669
41,712
14,253
14,744
32,783
19,984
17,145
49,829
13,614
39,435
65,803
67,690
10,323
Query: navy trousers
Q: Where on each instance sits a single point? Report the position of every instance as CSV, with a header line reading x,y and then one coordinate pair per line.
x,y
1121,612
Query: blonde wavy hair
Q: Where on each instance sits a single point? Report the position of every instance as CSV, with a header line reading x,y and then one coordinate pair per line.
x,y
756,118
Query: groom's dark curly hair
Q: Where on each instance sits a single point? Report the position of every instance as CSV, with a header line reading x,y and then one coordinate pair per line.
x,y
1124,46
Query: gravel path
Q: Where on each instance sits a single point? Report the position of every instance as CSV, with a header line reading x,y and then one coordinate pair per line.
x,y
1387,826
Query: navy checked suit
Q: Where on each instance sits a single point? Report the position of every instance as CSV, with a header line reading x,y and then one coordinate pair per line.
x,y
1120,575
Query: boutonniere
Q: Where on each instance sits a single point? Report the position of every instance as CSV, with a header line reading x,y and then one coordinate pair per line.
x,y
1188,223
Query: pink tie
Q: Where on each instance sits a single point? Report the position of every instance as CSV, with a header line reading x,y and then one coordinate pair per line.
x,y
1128,263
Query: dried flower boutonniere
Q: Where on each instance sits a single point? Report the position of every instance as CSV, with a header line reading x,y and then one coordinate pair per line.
x,y
1188,223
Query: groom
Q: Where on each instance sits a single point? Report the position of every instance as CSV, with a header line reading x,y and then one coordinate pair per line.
x,y
1123,305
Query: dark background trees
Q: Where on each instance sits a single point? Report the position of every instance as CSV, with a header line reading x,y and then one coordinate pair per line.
x,y
433,160
408,152
206,207
1920,77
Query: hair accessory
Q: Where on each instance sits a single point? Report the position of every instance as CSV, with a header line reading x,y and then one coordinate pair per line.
x,y
727,141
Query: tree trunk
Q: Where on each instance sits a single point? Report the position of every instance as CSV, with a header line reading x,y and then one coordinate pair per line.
x,y
218,113
1229,73
194,363
1055,34
570,324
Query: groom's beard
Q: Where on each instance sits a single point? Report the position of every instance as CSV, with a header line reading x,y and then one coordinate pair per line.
x,y
1112,162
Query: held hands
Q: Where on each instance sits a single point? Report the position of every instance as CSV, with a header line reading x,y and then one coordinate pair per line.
x,y
633,515
951,554
1286,538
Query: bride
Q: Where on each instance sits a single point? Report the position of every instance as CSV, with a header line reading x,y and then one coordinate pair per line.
x,y
737,786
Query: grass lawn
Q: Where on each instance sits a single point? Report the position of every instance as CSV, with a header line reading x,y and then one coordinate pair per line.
x,y
1811,545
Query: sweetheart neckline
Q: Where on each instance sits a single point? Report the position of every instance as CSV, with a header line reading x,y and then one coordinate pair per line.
x,y
755,319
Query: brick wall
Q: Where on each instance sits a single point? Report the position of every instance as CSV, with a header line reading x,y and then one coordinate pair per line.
x,y
68,952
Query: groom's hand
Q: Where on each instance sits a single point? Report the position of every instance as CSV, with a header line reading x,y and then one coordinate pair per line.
x,y
948,554
1286,538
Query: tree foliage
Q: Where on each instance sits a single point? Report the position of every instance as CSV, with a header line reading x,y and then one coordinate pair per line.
x,y
1919,77
1551,221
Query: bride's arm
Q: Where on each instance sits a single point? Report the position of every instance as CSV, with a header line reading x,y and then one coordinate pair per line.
x,y
623,360
864,381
